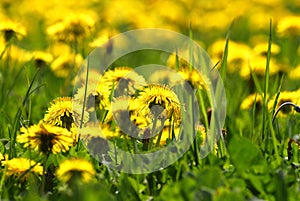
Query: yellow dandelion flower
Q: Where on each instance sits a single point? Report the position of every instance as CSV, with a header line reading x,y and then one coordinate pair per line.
x,y
295,73
166,135
285,96
94,139
104,36
124,79
156,99
71,28
46,138
262,49
107,132
250,100
65,63
258,66
166,76
75,167
289,26
171,62
94,97
11,30
2,157
194,78
42,58
238,54
201,134
22,166
128,120
63,112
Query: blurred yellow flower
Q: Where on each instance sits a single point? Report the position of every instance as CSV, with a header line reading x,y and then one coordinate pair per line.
x,y
22,166
250,100
238,54
65,64
258,65
295,73
75,168
194,77
71,28
285,96
201,134
46,138
262,49
289,26
42,58
104,36
11,30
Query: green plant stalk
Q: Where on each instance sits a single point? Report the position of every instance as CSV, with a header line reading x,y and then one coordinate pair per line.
x,y
195,141
43,185
2,181
153,132
84,101
274,140
266,86
253,119
13,132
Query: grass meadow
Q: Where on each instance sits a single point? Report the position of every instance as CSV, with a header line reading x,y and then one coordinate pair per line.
x,y
46,128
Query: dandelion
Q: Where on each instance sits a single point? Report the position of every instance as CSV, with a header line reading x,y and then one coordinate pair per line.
x,y
155,99
12,30
65,64
258,66
124,79
128,120
94,139
41,58
72,28
238,54
2,157
104,36
63,112
93,97
166,134
261,49
17,167
75,167
46,138
285,96
201,134
250,100
289,26
295,73
194,78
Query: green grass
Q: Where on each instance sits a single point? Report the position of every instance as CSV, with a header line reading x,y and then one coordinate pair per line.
x,y
255,158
